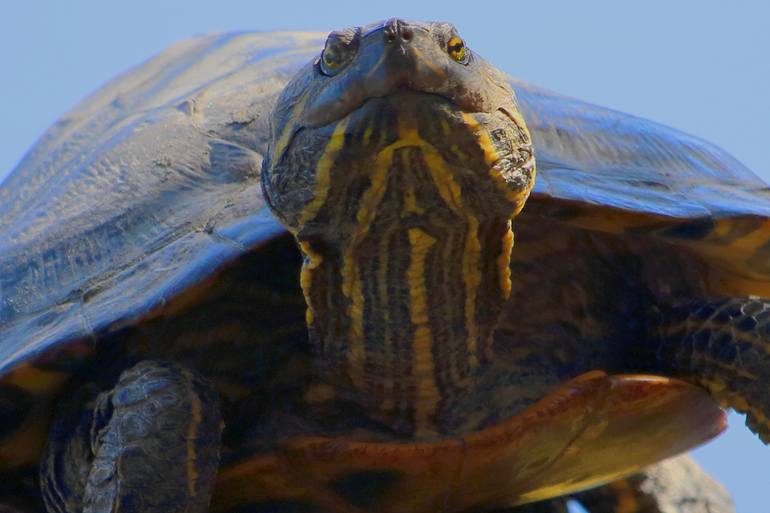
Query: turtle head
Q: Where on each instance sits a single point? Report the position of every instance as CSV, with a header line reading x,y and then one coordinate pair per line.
x,y
384,91
397,159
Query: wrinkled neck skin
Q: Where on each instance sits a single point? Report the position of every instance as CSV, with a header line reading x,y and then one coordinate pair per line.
x,y
404,220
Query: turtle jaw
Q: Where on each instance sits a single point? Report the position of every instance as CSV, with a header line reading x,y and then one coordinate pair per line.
x,y
398,55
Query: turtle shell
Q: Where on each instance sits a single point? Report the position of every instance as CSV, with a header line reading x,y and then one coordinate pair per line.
x,y
152,184
150,187
142,191
608,171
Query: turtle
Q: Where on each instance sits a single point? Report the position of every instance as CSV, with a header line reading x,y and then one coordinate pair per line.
x,y
275,272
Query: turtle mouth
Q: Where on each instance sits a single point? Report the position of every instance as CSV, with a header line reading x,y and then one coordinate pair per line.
x,y
406,101
372,112
325,110
370,108
401,92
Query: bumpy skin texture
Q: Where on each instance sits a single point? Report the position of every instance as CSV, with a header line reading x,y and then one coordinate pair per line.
x,y
68,456
723,344
154,447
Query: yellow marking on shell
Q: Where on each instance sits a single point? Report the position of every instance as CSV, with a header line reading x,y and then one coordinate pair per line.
x,y
504,262
491,157
192,435
288,128
323,173
472,279
312,261
423,367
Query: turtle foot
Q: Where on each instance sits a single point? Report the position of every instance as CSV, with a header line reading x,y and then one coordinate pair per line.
x,y
149,445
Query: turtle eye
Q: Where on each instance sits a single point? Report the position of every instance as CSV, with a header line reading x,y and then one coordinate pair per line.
x,y
456,49
341,46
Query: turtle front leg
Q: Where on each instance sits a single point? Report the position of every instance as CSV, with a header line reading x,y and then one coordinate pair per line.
x,y
149,445
723,345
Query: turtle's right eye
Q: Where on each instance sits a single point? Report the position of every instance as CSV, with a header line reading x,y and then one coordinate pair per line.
x,y
341,47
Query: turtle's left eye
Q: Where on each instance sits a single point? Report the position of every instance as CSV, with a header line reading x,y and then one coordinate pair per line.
x,y
341,47
456,49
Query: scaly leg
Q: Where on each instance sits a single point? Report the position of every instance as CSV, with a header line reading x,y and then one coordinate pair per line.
x,y
149,445
723,345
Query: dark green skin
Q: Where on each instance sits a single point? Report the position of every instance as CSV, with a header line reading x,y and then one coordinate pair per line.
x,y
624,285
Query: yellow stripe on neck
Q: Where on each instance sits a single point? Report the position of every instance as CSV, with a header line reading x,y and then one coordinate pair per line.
x,y
323,173
423,367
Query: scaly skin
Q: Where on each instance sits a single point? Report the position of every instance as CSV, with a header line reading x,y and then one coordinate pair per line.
x,y
152,446
723,344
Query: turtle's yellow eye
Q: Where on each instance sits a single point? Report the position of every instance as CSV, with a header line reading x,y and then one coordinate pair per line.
x,y
456,49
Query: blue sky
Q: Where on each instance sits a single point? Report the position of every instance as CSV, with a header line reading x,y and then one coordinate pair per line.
x,y
698,66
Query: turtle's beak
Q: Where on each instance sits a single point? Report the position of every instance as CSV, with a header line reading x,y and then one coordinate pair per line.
x,y
391,59
395,56
403,64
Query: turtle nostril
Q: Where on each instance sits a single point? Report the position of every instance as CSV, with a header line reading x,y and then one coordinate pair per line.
x,y
397,31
